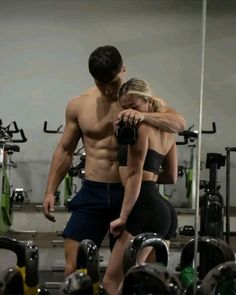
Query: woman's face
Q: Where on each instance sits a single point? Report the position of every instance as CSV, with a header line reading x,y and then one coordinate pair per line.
x,y
131,101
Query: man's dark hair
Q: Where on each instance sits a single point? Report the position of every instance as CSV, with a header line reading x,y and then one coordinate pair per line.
x,y
105,63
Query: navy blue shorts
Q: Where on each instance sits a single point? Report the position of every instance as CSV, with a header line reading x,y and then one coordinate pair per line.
x,y
152,213
93,208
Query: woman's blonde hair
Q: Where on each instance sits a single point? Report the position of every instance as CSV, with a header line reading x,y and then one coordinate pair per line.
x,y
140,88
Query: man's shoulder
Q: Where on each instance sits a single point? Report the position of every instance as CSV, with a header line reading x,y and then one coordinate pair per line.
x,y
90,92
84,97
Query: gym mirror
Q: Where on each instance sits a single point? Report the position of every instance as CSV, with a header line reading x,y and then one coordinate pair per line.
x,y
45,52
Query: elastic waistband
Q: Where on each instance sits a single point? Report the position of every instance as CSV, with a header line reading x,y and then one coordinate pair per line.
x,y
148,183
94,184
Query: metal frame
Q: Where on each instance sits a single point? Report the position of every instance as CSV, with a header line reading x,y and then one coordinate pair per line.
x,y
227,201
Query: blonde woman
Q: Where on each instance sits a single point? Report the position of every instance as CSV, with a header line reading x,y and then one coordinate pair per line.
x,y
143,208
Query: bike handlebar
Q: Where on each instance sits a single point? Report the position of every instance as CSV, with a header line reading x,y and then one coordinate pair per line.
x,y
191,135
210,131
46,130
15,130
23,137
7,134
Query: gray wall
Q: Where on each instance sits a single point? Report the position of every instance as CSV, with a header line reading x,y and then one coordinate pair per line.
x,y
44,50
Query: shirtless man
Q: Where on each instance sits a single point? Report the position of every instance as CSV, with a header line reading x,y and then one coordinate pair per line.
x,y
91,117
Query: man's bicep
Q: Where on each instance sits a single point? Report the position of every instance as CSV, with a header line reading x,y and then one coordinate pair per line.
x,y
72,132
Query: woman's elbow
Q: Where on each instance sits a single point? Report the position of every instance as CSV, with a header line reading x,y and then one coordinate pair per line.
x,y
167,179
173,179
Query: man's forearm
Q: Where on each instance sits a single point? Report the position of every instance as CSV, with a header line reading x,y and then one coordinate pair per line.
x,y
59,167
168,120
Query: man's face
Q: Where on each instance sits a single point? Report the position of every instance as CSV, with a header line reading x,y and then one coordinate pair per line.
x,y
111,89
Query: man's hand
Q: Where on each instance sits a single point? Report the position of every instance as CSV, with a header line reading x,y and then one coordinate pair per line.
x,y
48,207
130,116
117,226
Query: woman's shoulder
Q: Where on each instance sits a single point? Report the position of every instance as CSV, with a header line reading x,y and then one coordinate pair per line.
x,y
145,129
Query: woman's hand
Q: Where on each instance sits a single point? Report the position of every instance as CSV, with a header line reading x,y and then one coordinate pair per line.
x,y
117,226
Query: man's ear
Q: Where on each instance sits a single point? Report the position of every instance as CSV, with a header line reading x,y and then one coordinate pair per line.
x,y
124,70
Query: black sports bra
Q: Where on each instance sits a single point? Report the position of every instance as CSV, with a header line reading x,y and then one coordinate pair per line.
x,y
152,162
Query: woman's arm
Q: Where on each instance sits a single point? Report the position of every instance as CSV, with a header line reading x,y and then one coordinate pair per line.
x,y
136,157
170,167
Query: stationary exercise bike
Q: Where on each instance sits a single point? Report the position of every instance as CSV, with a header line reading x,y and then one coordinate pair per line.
x,y
212,203
212,249
6,149
190,137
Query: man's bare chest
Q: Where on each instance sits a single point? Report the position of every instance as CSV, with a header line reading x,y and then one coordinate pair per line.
x,y
96,125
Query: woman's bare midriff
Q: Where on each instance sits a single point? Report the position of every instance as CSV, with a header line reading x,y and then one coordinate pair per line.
x,y
146,176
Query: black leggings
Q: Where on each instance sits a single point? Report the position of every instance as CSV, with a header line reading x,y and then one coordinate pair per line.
x,y
152,213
